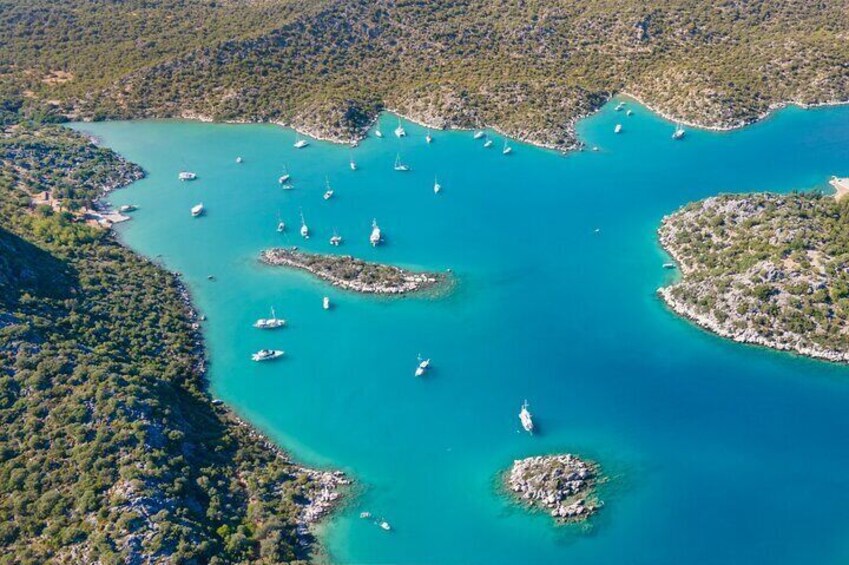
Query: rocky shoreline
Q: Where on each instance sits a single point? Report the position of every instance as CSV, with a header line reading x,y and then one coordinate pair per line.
x,y
349,273
760,304
322,491
562,485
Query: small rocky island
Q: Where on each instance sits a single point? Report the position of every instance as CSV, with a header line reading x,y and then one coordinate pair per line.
x,y
350,273
563,485
768,269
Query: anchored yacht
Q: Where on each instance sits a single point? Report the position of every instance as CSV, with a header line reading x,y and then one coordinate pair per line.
x,y
325,303
436,186
526,418
375,237
197,210
271,323
423,366
305,231
679,132
399,131
127,208
479,134
378,133
187,175
300,142
618,128
399,166
507,149
352,164
267,354
428,137
487,144
238,160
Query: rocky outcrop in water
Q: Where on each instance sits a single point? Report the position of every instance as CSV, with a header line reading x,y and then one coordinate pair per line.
x,y
562,485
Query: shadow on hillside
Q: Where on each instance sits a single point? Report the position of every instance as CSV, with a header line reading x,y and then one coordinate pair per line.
x,y
26,268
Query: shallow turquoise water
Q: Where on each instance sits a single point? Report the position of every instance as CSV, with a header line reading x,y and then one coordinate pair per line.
x,y
718,452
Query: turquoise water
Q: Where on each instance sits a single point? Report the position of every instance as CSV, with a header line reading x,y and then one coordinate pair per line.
x,y
717,452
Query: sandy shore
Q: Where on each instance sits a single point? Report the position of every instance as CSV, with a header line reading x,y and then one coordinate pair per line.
x,y
841,185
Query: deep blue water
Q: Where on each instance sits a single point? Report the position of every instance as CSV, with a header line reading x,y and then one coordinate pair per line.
x,y
717,452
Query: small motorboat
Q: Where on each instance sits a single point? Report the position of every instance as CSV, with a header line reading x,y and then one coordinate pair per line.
x,y
328,194
385,525
325,303
335,239
300,143
281,226
507,149
378,133
436,186
352,164
267,354
197,210
479,134
487,144
678,133
422,367
618,128
238,160
187,175
127,208
428,137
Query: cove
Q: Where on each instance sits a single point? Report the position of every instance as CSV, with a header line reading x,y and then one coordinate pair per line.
x,y
717,452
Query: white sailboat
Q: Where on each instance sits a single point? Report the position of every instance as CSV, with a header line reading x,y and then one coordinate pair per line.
x,y
328,194
479,134
238,160
325,303
526,418
399,131
284,178
335,239
428,137
507,149
629,113
305,231
376,237
281,225
300,142
679,132
487,144
618,128
197,210
352,164
267,354
619,106
271,323
399,166
187,175
378,133
436,186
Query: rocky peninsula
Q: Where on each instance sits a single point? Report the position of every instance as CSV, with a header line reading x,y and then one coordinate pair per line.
x,y
350,273
563,485
766,269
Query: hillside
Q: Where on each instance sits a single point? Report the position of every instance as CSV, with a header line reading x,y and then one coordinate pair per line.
x,y
766,269
528,67
112,449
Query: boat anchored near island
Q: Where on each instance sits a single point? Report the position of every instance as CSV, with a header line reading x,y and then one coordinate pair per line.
x,y
335,239
679,132
300,142
328,194
526,418
271,323
376,237
507,149
305,231
267,354
399,131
